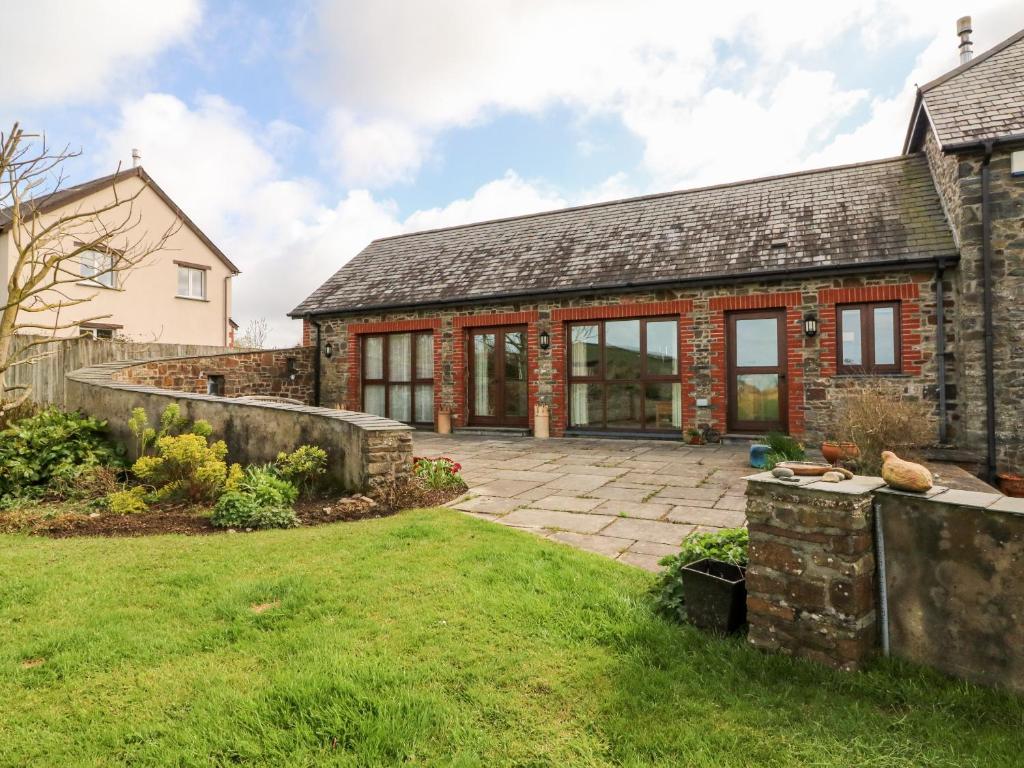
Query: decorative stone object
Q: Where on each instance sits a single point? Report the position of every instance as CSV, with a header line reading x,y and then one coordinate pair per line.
x,y
905,475
782,472
832,477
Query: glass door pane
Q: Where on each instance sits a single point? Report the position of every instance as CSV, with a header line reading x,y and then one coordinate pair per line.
x,y
757,342
515,375
757,397
484,374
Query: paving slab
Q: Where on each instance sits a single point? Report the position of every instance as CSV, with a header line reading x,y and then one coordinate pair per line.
x,y
568,521
717,518
577,483
647,530
646,510
524,474
565,503
492,505
647,562
653,548
618,493
504,487
602,545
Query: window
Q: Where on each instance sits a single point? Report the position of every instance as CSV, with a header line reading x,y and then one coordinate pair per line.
x,y
398,376
98,330
191,282
215,384
869,338
98,268
624,375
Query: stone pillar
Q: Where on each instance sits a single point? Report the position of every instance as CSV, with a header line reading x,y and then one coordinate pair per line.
x,y
811,579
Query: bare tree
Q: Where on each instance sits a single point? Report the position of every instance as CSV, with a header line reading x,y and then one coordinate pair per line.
x,y
255,334
55,246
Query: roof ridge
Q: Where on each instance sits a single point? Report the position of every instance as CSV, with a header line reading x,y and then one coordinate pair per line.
x,y
982,57
651,196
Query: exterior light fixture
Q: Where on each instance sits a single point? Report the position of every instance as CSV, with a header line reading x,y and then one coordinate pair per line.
x,y
291,369
328,350
545,340
810,325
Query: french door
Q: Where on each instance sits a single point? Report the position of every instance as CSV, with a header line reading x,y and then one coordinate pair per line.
x,y
498,383
757,371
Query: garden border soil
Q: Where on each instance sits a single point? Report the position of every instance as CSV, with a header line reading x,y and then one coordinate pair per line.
x,y
195,521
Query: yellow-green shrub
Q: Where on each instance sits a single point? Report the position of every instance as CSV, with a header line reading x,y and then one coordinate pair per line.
x,y
129,502
186,467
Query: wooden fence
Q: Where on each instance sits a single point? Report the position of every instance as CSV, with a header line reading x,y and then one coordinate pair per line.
x,y
45,374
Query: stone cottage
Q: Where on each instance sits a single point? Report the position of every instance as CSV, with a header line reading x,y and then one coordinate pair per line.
x,y
741,307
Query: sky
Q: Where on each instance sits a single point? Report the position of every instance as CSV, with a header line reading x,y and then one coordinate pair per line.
x,y
295,133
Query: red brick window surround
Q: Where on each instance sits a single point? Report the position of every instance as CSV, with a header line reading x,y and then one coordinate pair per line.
x,y
908,298
356,331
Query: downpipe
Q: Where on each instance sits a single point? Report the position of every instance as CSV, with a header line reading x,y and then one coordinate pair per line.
x,y
883,587
986,303
316,360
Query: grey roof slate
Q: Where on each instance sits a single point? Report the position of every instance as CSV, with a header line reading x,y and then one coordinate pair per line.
x,y
885,210
982,99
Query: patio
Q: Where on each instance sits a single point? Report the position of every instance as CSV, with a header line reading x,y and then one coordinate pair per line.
x,y
631,500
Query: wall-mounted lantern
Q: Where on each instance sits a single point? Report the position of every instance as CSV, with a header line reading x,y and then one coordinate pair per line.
x,y
291,369
545,340
328,350
810,325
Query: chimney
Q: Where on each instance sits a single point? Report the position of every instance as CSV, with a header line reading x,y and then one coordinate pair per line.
x,y
136,158
963,28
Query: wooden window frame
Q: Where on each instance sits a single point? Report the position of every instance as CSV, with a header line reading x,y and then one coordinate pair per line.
x,y
601,376
732,370
386,382
500,419
867,339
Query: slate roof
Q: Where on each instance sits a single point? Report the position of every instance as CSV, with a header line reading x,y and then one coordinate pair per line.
x,y
843,217
980,100
52,201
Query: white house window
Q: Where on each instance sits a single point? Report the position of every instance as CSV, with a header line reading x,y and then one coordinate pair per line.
x,y
191,282
98,268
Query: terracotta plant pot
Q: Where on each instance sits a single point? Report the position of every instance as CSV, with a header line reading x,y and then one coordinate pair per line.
x,y
836,452
1011,484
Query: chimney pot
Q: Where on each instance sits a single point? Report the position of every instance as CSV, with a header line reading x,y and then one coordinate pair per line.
x,y
964,30
136,158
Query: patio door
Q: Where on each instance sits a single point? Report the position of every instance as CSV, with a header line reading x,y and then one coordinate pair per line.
x,y
498,377
757,371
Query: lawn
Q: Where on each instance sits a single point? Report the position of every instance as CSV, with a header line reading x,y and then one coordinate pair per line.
x,y
428,638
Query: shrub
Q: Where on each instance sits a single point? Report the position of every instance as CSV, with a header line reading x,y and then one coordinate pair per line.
x,y
172,423
729,544
441,472
876,418
128,502
304,467
261,500
782,448
185,467
46,453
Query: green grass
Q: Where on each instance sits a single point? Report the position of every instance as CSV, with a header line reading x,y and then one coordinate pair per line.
x,y
429,638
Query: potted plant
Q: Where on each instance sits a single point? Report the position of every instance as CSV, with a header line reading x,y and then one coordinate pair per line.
x,y
716,594
835,452
694,437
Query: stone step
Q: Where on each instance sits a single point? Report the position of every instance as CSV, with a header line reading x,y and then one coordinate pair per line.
x,y
493,431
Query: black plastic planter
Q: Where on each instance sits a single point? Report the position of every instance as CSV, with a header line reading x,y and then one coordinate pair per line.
x,y
716,595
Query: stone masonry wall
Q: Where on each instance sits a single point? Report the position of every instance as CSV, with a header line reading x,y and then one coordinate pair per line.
x,y
811,386
265,372
811,578
367,454
958,180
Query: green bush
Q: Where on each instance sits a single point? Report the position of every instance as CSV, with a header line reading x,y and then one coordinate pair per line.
x,y
186,467
47,452
729,544
128,502
304,467
782,448
261,500
172,423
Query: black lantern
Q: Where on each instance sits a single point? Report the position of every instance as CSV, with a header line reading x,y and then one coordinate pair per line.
x,y
328,350
545,340
810,325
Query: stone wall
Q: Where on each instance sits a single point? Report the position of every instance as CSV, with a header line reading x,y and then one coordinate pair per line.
x,y
953,565
811,578
958,180
366,453
272,372
811,386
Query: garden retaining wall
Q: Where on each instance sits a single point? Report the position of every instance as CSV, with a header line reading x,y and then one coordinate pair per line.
x,y
366,453
951,563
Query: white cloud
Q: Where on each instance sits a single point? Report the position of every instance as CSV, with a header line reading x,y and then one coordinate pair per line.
x,y
653,63
58,52
377,153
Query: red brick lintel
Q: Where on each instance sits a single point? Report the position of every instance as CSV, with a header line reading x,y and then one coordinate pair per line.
x,y
608,311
